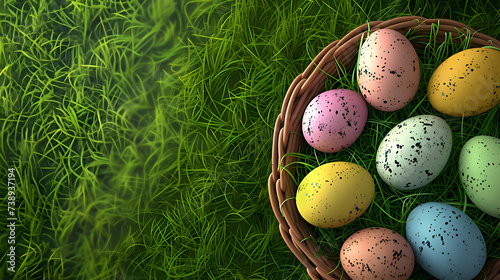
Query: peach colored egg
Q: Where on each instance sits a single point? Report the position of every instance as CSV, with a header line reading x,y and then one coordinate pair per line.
x,y
388,70
377,253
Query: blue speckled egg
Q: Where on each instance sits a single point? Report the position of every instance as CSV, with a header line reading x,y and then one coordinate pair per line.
x,y
446,241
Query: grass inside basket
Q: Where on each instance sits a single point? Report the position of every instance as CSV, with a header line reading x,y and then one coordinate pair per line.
x,y
391,207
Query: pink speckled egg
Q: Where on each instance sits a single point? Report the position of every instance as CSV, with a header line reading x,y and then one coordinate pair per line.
x,y
334,119
388,70
377,253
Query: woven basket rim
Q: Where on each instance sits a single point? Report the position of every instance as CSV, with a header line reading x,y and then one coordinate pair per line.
x,y
287,136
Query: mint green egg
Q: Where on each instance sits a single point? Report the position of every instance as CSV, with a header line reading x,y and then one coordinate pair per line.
x,y
479,167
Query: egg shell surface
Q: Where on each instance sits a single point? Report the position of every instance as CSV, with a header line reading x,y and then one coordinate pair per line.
x,y
414,152
479,168
335,194
377,253
467,83
446,241
388,70
334,119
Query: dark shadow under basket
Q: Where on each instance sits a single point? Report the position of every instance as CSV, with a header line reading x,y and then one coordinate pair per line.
x,y
288,134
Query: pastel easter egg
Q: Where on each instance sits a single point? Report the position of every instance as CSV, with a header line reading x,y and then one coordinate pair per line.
x,y
388,70
335,194
377,253
334,119
479,168
446,241
414,152
467,83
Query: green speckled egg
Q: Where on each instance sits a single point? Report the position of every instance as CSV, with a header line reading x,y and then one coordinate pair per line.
x,y
335,194
467,83
479,167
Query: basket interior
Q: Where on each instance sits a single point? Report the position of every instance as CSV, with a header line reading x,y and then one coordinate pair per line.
x,y
332,62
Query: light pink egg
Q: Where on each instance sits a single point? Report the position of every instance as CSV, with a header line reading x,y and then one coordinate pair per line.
x,y
388,70
334,119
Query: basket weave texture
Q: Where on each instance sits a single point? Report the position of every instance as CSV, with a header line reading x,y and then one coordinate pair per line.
x,y
288,134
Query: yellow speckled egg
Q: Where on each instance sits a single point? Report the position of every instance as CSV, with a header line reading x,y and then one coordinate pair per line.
x,y
335,194
466,83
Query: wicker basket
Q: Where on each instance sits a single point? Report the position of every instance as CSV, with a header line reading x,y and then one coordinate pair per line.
x,y
303,89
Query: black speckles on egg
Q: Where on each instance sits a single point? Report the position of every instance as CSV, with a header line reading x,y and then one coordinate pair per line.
x,y
335,194
414,152
466,83
479,170
377,253
334,119
388,70
447,243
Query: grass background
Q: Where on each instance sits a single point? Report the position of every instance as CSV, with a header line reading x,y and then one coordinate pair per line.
x,y
141,131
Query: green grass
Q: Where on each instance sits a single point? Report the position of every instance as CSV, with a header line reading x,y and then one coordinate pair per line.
x,y
141,132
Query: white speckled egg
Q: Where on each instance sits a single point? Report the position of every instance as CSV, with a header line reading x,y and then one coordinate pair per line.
x,y
388,70
414,152
446,242
377,253
334,119
479,167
